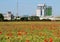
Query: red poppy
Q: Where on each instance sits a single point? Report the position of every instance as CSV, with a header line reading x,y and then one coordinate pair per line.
x,y
50,39
0,32
9,34
19,33
45,40
25,33
27,40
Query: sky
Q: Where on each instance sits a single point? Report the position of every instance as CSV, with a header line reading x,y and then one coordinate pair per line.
x,y
28,7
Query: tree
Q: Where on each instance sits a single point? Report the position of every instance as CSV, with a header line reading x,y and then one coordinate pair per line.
x,y
24,19
1,17
34,18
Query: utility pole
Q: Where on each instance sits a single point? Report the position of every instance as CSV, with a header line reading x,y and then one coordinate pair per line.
x,y
17,9
44,1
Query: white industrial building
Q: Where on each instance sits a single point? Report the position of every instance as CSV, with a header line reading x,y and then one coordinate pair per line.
x,y
40,10
8,16
43,11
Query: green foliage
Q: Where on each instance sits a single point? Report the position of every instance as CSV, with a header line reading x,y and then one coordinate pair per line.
x,y
24,19
34,18
1,17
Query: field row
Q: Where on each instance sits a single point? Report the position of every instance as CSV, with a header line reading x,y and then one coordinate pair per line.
x,y
29,31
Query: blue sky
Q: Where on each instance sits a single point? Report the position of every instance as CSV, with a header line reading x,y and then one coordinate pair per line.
x,y
28,7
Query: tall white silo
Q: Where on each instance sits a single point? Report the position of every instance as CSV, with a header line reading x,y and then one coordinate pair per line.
x,y
40,10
